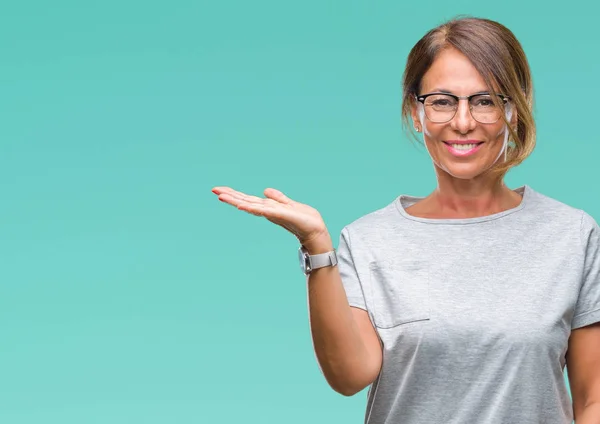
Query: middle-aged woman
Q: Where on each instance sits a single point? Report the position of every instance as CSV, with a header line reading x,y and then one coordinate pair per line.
x,y
463,306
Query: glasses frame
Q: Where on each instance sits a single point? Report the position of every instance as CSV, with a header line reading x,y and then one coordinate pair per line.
x,y
423,97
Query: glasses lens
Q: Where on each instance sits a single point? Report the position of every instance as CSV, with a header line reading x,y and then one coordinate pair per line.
x,y
440,108
484,110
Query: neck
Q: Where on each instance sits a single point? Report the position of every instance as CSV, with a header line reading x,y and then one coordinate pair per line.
x,y
471,198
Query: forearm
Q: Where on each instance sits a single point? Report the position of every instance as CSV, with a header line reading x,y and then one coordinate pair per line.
x,y
339,348
589,415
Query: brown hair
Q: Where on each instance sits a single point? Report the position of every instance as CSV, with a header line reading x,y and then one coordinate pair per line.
x,y
498,56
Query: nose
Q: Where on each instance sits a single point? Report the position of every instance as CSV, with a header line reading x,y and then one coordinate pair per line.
x,y
463,121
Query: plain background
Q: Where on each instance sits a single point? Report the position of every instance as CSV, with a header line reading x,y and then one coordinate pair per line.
x,y
128,292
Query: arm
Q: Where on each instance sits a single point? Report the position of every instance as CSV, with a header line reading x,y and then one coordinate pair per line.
x,y
583,369
590,414
346,344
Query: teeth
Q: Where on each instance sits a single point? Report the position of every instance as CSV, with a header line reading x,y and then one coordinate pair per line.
x,y
463,146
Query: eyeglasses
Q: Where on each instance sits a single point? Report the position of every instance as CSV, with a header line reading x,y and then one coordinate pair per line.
x,y
441,107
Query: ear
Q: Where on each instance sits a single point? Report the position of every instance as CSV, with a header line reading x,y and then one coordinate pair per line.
x,y
414,114
514,119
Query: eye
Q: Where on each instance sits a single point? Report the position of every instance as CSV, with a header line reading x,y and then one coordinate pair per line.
x,y
441,101
484,101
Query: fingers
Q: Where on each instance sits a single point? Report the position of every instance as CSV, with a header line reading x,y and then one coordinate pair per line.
x,y
268,208
276,207
237,200
274,211
277,195
226,190
261,207
254,208
270,193
228,193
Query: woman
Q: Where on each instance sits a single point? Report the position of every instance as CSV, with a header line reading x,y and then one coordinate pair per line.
x,y
463,306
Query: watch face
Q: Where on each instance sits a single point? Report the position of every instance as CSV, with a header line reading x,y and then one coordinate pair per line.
x,y
302,258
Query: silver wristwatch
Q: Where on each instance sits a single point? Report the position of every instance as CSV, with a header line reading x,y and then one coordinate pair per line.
x,y
310,262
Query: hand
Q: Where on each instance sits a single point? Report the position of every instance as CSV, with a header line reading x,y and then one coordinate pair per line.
x,y
299,219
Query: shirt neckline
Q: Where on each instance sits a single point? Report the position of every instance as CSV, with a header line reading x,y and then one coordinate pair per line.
x,y
404,200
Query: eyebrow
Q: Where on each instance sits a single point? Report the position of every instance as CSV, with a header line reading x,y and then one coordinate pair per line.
x,y
445,90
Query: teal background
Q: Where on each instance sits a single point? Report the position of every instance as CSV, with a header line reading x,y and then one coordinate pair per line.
x,y
128,293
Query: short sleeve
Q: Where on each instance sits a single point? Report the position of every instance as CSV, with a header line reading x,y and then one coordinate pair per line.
x,y
347,269
587,309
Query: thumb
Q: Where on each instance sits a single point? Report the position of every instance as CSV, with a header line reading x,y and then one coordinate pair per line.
x,y
277,195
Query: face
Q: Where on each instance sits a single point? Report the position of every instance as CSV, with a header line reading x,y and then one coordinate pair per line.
x,y
452,72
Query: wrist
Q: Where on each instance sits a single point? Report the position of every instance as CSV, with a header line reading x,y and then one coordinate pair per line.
x,y
321,244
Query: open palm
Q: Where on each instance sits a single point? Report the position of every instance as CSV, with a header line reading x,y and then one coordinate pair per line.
x,y
304,221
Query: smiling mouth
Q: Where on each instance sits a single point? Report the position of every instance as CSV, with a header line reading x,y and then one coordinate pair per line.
x,y
463,149
463,146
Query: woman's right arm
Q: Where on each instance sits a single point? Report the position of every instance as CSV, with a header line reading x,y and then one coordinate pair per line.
x,y
346,344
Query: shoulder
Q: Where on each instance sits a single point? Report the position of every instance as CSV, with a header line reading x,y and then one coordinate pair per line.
x,y
552,210
375,221
563,216
551,204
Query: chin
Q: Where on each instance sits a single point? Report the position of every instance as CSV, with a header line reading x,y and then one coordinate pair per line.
x,y
466,171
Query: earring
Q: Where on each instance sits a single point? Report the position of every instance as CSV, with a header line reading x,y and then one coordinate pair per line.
x,y
417,129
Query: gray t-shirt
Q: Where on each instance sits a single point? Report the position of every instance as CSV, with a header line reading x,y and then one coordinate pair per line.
x,y
474,314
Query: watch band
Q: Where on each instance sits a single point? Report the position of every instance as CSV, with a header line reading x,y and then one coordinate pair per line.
x,y
308,262
323,259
